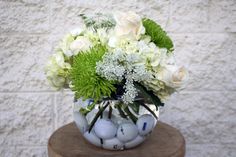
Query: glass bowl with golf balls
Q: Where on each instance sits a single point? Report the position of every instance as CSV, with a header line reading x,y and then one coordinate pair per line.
x,y
113,125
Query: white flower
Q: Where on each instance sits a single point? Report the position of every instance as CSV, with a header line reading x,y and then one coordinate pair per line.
x,y
103,35
56,70
65,44
126,44
173,76
128,24
112,41
55,80
157,57
76,31
80,44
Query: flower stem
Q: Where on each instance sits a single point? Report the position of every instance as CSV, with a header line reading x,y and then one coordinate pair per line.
x,y
147,108
122,114
110,112
97,116
132,117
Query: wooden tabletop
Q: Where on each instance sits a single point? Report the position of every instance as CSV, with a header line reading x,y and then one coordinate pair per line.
x,y
165,141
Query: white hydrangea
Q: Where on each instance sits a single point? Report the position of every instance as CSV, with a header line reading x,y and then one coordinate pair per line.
x,y
56,70
64,45
82,40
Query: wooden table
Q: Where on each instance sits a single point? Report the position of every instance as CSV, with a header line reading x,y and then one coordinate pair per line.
x,y
165,141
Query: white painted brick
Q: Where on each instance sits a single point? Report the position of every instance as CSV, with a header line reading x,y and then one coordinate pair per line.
x,y
203,117
64,112
18,17
210,150
210,59
22,60
34,152
7,152
188,16
65,14
20,151
25,119
222,16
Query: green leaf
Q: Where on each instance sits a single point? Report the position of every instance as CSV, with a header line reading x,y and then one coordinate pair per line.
x,y
98,20
135,107
157,34
131,116
86,110
149,95
121,112
110,112
147,108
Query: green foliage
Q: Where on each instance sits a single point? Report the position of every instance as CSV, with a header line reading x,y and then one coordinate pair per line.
x,y
86,110
149,95
98,21
121,112
85,81
157,34
130,114
135,107
147,108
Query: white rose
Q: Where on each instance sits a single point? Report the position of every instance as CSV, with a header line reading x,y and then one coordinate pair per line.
x,y
112,41
76,32
80,44
173,76
128,24
65,43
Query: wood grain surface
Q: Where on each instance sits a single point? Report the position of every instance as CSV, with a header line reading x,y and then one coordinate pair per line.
x,y
165,141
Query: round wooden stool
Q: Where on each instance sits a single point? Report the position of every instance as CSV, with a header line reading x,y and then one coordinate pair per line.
x,y
165,141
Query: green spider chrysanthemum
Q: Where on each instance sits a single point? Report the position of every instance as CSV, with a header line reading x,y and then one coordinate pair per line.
x,y
85,81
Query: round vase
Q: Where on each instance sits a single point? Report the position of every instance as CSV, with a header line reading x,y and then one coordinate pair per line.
x,y
112,125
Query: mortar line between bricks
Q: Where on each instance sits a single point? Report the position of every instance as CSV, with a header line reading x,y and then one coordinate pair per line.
x,y
55,115
28,146
71,92
208,16
213,144
52,34
228,144
200,33
169,15
23,34
208,91
50,15
33,92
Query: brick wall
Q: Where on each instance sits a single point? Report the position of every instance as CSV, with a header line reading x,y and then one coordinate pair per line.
x,y
205,41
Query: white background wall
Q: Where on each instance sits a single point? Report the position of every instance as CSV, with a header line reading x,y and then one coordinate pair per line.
x,y
204,33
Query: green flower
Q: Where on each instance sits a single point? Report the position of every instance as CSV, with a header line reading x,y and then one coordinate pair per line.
x,y
85,82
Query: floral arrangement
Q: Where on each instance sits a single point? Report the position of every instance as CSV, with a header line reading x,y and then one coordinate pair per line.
x,y
120,57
